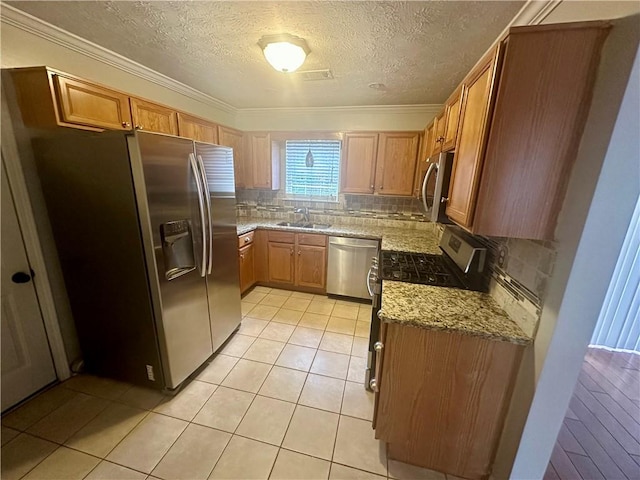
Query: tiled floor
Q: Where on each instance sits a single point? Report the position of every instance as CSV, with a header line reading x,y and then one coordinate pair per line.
x,y
284,399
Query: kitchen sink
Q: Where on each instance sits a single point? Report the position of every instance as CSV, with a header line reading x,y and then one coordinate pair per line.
x,y
303,225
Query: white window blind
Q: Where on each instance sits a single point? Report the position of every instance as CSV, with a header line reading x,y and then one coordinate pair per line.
x,y
318,180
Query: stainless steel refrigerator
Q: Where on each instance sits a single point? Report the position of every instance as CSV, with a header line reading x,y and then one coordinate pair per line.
x,y
145,228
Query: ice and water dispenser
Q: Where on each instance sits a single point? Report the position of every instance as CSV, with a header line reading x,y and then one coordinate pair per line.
x,y
177,248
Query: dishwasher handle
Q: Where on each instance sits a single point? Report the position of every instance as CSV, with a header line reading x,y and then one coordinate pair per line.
x,y
351,245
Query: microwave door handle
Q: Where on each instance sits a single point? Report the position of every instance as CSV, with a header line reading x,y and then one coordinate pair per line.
x,y
196,176
207,195
431,169
369,283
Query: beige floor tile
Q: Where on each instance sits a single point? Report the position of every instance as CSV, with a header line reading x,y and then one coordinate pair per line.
x,y
357,401
252,326
194,454
38,408
306,296
360,347
245,459
321,307
237,345
314,320
299,304
103,433
295,466
145,446
247,375
363,329
60,424
110,471
364,313
296,357
341,325
273,300
348,303
279,291
9,434
263,350
263,312
322,392
357,447
245,307
65,464
187,402
254,297
336,342
357,368
324,298
261,289
340,472
97,386
306,337
291,317
345,311
404,471
225,409
283,384
312,432
219,368
22,454
266,420
279,332
140,397
331,364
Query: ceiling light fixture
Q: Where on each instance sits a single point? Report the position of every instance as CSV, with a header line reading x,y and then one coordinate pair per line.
x,y
286,53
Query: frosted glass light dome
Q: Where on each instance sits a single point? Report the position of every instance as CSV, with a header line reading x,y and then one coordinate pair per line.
x,y
284,52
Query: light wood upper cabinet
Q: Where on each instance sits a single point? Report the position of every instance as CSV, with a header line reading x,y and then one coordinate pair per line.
x,y
153,117
429,140
264,161
358,162
396,163
452,115
518,135
439,125
235,139
197,129
477,93
48,98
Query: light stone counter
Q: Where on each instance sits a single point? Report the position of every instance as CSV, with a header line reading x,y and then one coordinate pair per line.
x,y
451,309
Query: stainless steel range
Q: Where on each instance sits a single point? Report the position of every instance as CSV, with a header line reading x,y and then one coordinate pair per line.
x,y
459,266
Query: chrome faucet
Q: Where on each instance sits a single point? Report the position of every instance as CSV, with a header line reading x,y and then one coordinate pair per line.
x,y
304,211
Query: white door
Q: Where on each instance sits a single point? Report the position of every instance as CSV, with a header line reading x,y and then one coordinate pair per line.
x,y
27,365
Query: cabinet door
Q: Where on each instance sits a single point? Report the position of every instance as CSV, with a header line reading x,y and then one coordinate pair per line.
x,y
197,129
471,142
396,164
452,114
311,266
281,268
153,118
429,139
358,162
439,124
234,139
86,104
262,168
247,272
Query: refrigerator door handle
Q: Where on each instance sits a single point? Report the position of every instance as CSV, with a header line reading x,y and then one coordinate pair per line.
x,y
207,195
198,179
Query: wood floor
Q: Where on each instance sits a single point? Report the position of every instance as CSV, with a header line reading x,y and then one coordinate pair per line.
x,y
600,435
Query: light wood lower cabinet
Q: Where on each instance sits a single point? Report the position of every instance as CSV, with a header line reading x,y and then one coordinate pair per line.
x,y
443,398
281,262
246,260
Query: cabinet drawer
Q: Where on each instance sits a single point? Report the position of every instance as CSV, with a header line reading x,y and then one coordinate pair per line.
x,y
282,237
245,239
312,239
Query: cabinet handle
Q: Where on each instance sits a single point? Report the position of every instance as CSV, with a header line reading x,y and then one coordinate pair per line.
x,y
380,188
372,187
139,127
126,124
242,256
444,199
291,251
299,252
375,382
246,239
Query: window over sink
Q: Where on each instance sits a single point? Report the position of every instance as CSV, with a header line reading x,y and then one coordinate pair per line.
x,y
312,168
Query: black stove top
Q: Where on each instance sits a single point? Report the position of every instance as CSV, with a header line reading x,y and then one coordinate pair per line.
x,y
427,269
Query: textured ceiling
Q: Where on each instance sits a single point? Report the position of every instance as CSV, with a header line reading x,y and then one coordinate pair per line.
x,y
419,50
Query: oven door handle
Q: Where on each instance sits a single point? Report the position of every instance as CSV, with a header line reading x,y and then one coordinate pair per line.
x,y
433,167
369,283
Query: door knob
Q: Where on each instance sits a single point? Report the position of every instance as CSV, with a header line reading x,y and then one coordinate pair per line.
x,y
20,277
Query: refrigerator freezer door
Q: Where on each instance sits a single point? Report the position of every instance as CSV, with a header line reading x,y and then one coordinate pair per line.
x,y
223,283
167,189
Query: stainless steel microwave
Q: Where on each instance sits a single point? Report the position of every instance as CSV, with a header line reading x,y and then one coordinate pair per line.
x,y
435,187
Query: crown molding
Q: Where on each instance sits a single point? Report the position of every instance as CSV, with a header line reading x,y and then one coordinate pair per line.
x,y
533,12
17,18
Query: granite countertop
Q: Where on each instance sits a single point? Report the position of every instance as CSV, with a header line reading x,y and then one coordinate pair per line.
x,y
450,309
398,239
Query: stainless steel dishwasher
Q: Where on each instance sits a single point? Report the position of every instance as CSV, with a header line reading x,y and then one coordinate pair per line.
x,y
349,263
